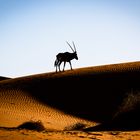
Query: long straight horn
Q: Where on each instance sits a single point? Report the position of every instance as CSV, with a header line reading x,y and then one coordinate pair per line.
x,y
70,46
74,46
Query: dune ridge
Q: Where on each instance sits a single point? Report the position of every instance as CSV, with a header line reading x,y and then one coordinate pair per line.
x,y
3,78
104,89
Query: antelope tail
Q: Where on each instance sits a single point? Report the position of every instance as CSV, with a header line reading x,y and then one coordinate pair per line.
x,y
56,62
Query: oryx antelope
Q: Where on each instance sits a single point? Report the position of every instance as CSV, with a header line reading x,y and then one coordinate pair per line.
x,y
65,57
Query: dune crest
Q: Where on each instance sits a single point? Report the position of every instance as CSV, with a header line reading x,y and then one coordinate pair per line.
x,y
85,95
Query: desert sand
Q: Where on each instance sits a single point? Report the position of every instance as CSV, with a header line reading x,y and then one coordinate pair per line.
x,y
67,135
99,102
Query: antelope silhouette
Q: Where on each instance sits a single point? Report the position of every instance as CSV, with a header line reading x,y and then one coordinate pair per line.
x,y
65,57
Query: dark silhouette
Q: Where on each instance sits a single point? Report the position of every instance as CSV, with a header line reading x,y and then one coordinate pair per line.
x,y
32,125
65,57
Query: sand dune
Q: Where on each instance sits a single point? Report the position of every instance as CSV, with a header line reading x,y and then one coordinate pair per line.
x,y
17,106
3,78
101,94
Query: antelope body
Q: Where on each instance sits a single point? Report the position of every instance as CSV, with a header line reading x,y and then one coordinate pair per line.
x,y
65,57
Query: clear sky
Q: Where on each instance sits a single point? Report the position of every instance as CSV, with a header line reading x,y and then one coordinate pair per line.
x,y
32,32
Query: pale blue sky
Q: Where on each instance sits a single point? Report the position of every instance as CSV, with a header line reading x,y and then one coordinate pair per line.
x,y
32,32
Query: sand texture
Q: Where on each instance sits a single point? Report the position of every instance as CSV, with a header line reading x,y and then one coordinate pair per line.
x,y
101,102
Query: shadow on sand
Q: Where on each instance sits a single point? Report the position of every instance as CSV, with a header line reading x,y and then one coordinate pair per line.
x,y
109,98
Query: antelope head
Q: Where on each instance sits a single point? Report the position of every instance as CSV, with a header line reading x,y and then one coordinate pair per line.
x,y
74,50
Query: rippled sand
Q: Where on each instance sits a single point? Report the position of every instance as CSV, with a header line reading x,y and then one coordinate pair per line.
x,y
31,98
